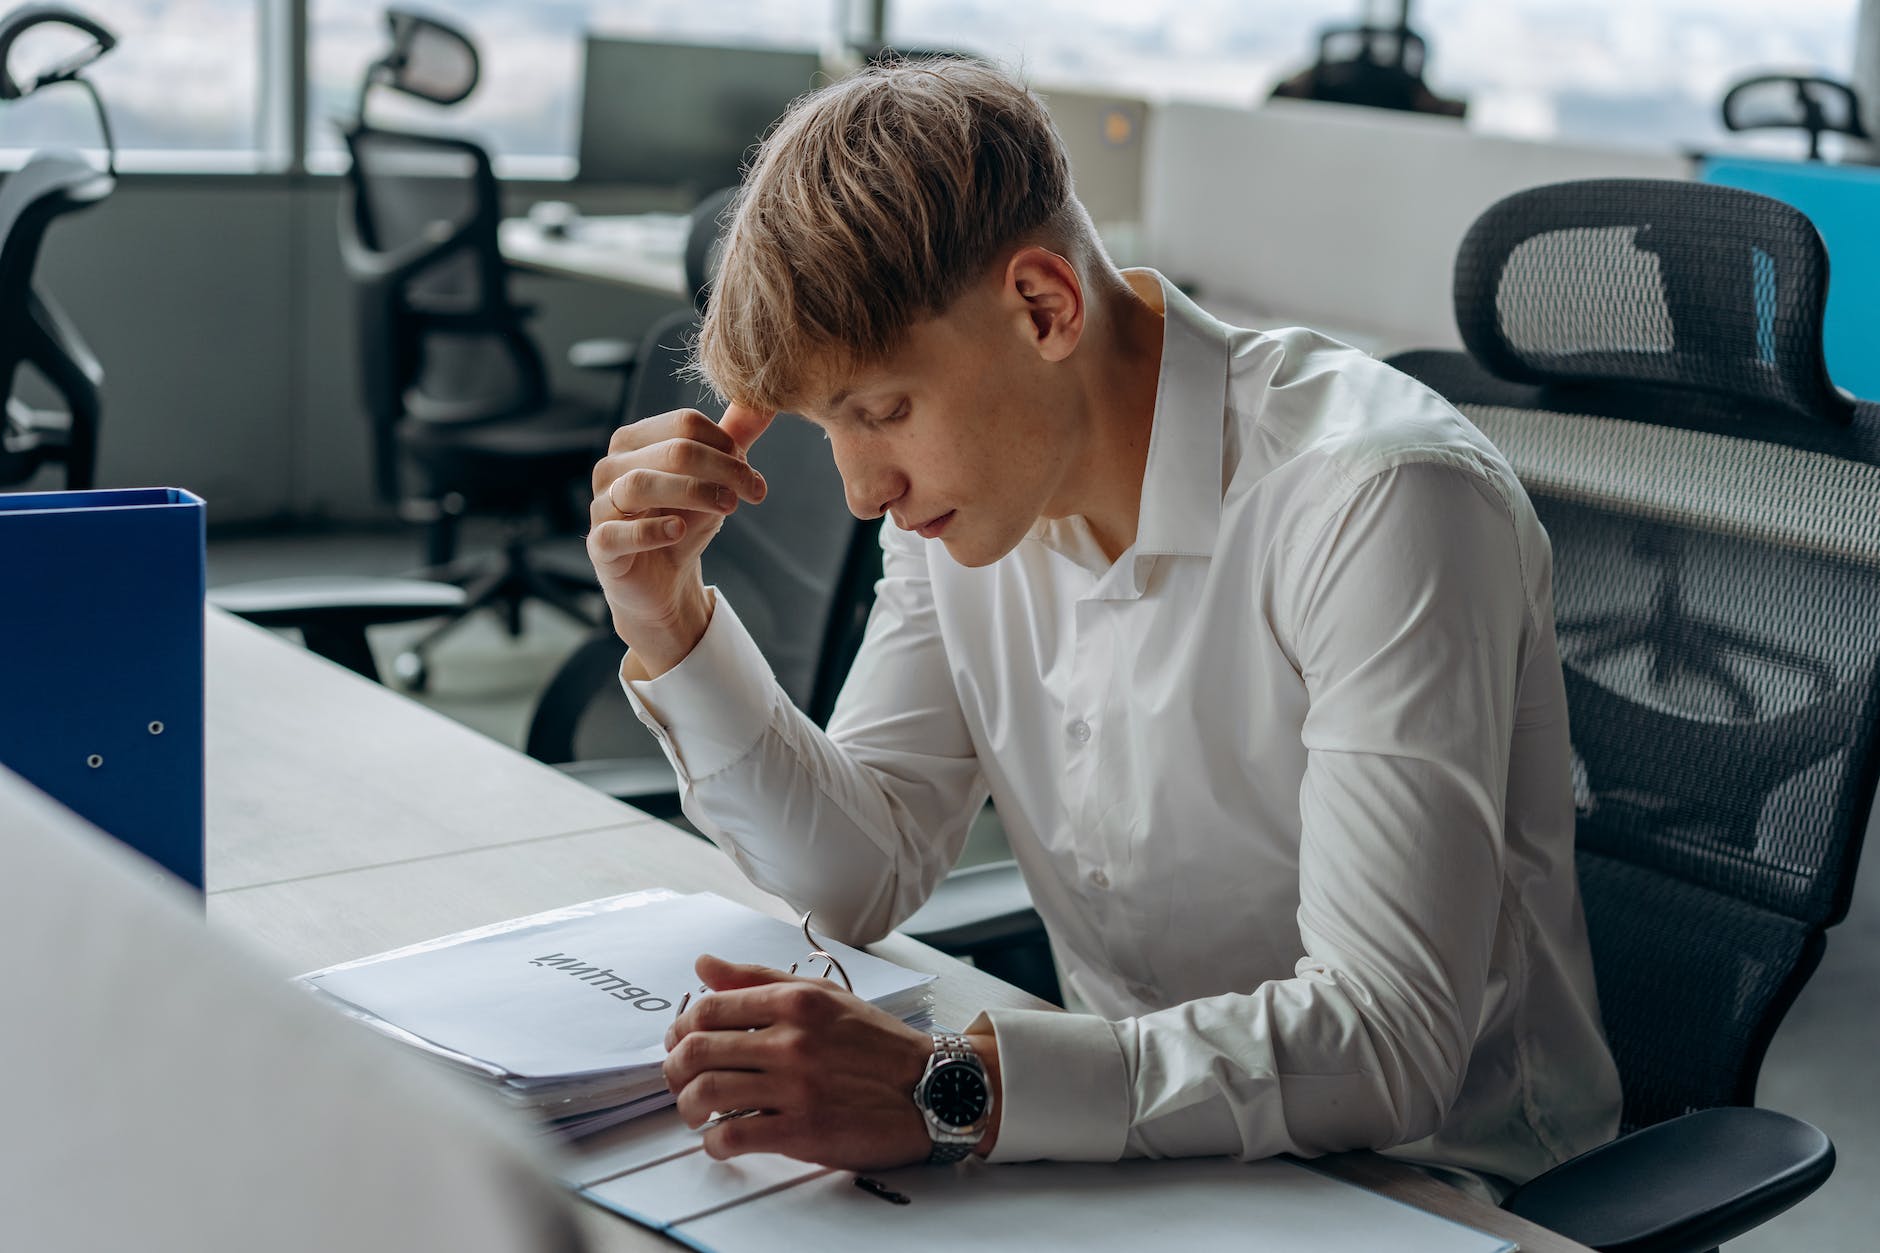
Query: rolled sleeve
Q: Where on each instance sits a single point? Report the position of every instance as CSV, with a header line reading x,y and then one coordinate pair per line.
x,y
710,710
1064,1087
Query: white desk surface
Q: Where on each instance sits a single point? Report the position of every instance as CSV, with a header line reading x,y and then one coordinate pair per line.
x,y
643,251
344,819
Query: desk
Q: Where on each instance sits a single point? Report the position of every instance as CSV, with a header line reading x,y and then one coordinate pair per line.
x,y
345,819
642,251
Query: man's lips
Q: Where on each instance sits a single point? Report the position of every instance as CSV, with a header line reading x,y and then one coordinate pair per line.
x,y
931,530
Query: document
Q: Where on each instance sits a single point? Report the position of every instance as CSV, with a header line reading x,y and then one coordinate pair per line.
x,y
658,1175
567,1011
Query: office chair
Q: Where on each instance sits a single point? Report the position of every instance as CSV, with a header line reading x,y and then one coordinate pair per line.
x,y
1817,106
1377,66
454,386
34,332
1648,356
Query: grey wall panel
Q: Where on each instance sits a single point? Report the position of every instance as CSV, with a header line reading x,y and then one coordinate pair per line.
x,y
224,321
184,294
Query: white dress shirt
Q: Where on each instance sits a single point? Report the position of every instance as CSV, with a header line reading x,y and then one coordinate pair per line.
x,y
1288,780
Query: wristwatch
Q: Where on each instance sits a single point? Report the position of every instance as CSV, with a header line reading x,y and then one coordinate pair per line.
x,y
954,1097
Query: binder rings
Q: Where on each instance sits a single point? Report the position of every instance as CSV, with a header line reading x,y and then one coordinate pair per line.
x,y
101,670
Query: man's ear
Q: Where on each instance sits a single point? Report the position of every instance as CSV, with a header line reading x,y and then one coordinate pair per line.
x,y
1049,297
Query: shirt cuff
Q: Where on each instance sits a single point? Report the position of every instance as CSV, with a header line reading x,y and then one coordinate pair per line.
x,y
1064,1089
712,708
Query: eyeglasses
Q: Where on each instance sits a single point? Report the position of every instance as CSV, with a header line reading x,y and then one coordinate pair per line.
x,y
832,969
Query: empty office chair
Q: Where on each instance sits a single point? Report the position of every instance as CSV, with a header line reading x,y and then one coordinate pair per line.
x,y
34,333
1648,357
1813,105
1377,66
456,390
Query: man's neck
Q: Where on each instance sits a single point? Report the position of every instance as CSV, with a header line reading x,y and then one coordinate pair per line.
x,y
1121,391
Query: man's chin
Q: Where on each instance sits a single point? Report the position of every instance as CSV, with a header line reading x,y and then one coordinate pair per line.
x,y
974,553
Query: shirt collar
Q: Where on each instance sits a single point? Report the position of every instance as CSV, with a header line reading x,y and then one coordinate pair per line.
x,y
1180,513
1181,481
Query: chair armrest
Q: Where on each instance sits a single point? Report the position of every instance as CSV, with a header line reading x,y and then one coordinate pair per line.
x,y
336,600
333,612
646,783
1681,1186
976,907
602,354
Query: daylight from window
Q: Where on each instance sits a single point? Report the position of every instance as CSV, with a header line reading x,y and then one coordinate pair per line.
x,y
1643,73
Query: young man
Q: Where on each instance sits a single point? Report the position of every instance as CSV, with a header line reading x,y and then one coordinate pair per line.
x,y
1249,637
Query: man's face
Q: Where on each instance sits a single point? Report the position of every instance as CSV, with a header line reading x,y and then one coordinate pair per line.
x,y
966,434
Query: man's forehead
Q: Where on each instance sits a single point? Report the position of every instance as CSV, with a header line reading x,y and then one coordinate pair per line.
x,y
827,392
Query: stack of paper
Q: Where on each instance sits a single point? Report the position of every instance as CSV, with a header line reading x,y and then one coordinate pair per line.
x,y
565,1013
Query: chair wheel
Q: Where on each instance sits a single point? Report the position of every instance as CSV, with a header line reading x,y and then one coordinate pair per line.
x,y
411,671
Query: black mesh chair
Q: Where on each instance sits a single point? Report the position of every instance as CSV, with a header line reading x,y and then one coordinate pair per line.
x,y
34,333
1813,105
457,392
1377,66
1648,356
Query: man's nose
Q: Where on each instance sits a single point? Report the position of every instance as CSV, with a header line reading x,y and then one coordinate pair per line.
x,y
871,489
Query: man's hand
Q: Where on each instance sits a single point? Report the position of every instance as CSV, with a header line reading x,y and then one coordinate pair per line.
x,y
660,495
833,1075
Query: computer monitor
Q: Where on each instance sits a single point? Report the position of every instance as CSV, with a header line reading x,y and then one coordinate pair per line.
x,y
682,115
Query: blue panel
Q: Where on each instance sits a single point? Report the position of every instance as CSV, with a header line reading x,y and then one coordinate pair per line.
x,y
1843,202
101,667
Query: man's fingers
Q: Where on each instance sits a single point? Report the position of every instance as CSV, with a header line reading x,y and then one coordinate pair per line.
x,y
687,457
745,424
720,975
677,424
765,1133
611,541
641,490
720,1091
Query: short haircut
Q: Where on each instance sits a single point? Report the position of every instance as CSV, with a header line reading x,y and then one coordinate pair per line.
x,y
872,205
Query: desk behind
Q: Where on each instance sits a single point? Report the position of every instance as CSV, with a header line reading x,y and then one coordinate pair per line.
x,y
391,799
640,251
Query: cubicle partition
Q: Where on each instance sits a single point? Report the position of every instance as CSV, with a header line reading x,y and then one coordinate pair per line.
x,y
1340,218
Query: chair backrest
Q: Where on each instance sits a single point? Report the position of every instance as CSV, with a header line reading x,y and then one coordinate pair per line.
x,y
33,332
704,241
799,568
1648,356
440,338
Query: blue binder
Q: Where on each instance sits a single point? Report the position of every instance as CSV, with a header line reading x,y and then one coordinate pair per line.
x,y
101,670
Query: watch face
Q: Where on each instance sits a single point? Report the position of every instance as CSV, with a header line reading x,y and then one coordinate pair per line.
x,y
956,1093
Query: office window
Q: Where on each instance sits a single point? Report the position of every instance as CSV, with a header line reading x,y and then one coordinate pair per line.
x,y
527,107
1643,73
183,87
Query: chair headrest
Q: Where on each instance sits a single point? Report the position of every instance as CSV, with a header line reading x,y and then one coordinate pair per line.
x,y
1793,101
429,59
1656,282
19,21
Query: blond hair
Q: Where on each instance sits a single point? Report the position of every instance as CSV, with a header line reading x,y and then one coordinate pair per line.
x,y
870,206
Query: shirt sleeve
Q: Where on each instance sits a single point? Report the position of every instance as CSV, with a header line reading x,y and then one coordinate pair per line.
x,y
860,822
1408,618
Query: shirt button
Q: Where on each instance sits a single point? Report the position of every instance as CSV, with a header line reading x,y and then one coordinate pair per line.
x,y
1098,879
1080,731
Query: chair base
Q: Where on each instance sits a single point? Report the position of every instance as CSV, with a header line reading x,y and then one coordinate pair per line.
x,y
502,583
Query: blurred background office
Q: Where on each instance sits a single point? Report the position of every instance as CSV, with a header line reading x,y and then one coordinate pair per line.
x,y
1311,162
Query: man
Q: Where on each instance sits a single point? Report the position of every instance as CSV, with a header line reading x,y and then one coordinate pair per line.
x,y
1249,638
